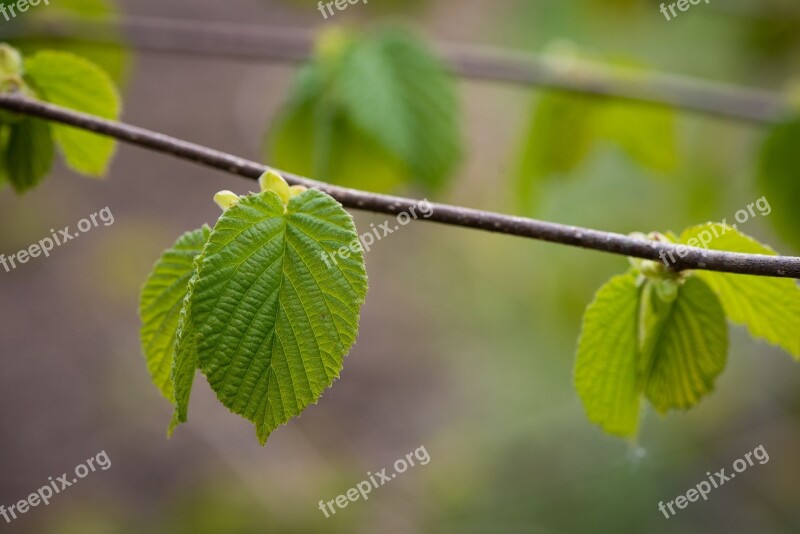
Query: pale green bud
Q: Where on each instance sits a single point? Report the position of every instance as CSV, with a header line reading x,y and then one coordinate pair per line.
x,y
10,60
226,199
272,181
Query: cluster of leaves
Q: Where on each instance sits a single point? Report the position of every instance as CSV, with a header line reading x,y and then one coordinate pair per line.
x,y
255,305
654,333
370,112
27,144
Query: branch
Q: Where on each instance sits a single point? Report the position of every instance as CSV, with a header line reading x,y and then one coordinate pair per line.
x,y
697,258
256,42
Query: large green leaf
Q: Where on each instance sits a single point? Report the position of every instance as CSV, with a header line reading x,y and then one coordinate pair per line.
x,y
274,317
768,307
161,303
779,178
73,82
28,153
606,374
370,112
691,350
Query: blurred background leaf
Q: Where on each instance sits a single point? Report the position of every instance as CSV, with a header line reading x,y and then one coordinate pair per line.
x,y
358,112
779,177
114,59
566,128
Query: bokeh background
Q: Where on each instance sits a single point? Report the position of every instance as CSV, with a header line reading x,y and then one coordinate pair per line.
x,y
467,339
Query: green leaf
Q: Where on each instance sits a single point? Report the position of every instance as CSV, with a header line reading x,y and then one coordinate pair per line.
x,y
400,94
370,112
185,361
654,311
73,82
768,307
691,350
29,153
161,303
606,374
777,178
111,57
273,320
640,338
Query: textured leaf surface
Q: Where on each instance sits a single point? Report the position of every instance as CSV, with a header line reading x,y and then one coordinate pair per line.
x,y
273,321
161,302
73,82
691,351
606,369
185,361
768,307
28,154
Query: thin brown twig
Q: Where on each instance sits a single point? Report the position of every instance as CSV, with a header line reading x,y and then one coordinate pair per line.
x,y
694,258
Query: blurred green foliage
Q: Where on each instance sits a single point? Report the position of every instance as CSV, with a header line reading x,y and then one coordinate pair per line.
x,y
370,111
779,178
114,59
565,128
